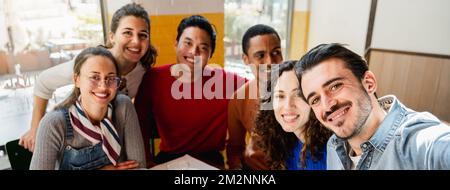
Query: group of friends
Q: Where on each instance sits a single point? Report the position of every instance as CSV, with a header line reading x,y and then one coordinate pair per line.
x,y
316,113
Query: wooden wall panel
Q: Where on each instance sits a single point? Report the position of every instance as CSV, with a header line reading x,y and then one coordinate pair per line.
x,y
442,102
420,82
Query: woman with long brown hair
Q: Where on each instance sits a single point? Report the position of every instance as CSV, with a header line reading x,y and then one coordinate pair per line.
x,y
94,128
288,132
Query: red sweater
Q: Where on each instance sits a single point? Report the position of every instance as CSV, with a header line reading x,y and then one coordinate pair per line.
x,y
189,124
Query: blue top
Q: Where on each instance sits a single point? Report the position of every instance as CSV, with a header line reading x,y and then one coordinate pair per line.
x,y
293,163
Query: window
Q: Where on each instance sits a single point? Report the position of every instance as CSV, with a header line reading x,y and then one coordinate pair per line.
x,y
35,35
241,15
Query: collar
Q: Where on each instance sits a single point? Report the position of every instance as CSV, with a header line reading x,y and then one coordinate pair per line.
x,y
386,131
137,69
384,134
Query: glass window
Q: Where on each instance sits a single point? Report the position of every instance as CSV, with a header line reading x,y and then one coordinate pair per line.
x,y
35,35
242,14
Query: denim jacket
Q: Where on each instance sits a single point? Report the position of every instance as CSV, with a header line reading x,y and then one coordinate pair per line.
x,y
405,140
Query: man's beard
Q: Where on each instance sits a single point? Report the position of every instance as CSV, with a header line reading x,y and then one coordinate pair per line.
x,y
365,107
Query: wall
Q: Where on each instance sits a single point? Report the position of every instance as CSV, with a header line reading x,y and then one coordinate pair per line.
x,y
343,21
299,29
165,17
411,56
413,25
421,82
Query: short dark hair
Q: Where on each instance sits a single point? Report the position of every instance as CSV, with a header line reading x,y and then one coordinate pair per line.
x,y
257,30
323,52
202,23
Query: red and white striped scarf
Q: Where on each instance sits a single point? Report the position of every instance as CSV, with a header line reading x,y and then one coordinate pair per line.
x,y
105,133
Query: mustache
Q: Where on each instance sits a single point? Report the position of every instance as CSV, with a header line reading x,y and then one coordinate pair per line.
x,y
334,108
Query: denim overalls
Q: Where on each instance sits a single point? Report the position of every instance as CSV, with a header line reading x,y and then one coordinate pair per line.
x,y
87,158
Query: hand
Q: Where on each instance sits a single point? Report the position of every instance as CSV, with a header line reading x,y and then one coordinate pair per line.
x,y
27,140
235,156
255,159
254,156
130,164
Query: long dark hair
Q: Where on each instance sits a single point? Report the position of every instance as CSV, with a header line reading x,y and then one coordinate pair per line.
x,y
275,142
79,62
136,10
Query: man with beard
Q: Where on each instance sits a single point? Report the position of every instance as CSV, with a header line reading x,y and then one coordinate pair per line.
x,y
369,133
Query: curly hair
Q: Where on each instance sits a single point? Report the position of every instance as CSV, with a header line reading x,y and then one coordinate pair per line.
x,y
278,144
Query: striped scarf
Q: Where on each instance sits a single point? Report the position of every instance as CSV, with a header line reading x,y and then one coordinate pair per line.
x,y
105,133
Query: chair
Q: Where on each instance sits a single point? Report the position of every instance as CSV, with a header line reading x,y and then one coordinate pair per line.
x,y
19,157
154,136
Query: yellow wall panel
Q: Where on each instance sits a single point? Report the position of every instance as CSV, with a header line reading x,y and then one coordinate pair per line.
x,y
299,34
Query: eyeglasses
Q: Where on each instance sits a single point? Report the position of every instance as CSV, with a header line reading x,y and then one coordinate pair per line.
x,y
110,82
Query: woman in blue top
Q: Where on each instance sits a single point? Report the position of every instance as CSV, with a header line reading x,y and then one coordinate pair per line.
x,y
289,134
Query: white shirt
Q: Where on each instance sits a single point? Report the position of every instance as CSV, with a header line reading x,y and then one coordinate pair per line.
x,y
355,160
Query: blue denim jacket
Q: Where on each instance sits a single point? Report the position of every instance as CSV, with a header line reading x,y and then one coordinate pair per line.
x,y
405,140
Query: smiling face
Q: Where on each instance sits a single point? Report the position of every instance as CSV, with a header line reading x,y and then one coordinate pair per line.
x,y
338,99
130,40
97,81
290,110
263,49
193,42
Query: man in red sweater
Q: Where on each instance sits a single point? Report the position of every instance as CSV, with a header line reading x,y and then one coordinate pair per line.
x,y
188,101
